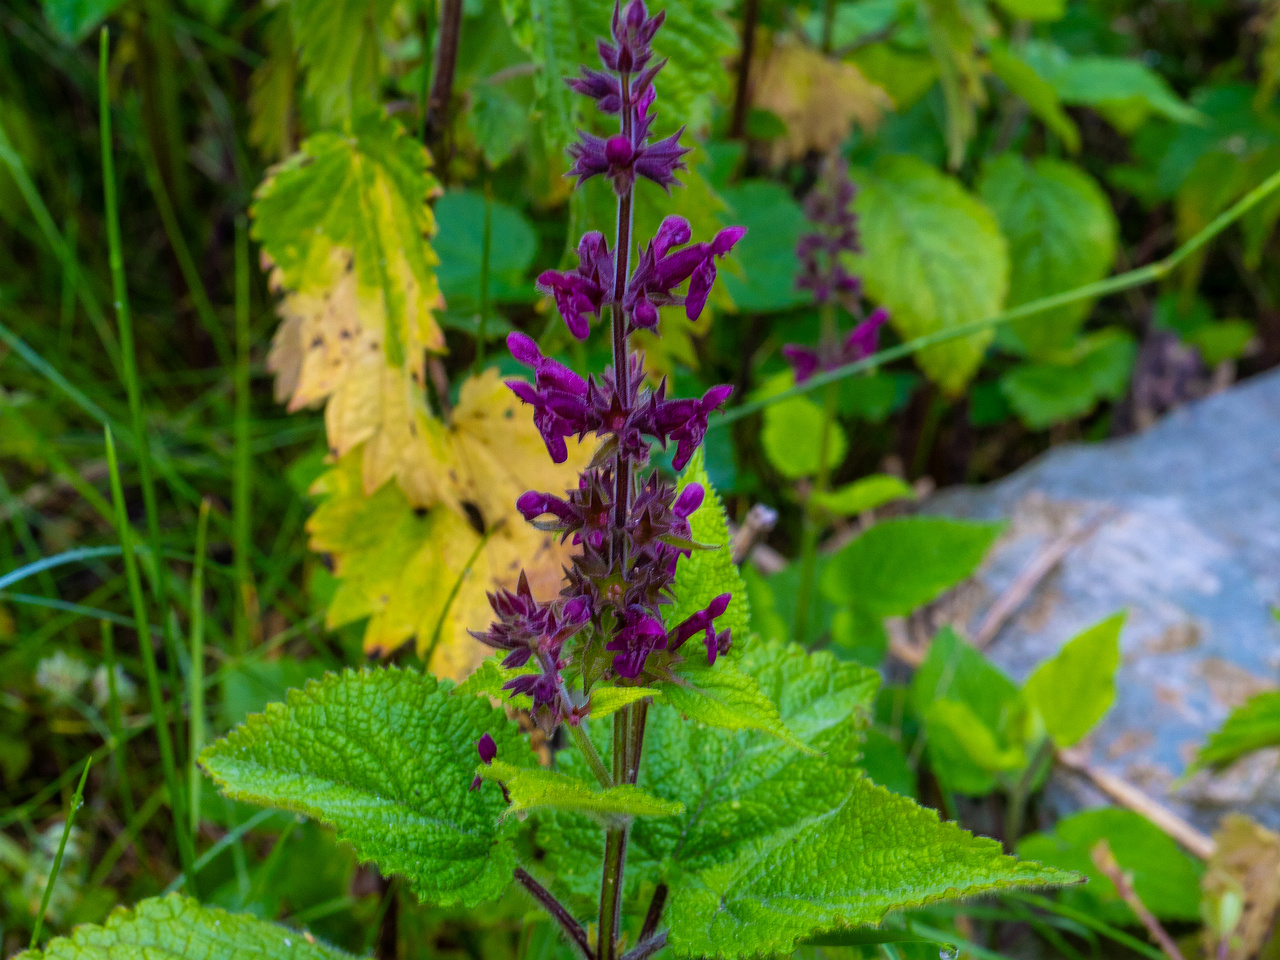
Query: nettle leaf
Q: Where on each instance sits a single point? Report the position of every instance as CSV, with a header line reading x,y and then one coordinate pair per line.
x,y
1073,690
387,757
792,438
736,785
1254,725
725,697
901,564
767,254
874,852
607,700
934,255
560,35
1072,382
338,46
533,788
865,494
162,927
1062,235
705,574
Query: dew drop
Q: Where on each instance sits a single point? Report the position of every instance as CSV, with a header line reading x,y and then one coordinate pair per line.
x,y
948,952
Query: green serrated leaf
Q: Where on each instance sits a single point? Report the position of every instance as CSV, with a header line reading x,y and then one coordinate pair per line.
x,y
487,680
725,697
533,788
705,574
1062,235
387,757
902,564
1254,725
873,852
935,256
865,494
339,47
607,700
1073,690
177,927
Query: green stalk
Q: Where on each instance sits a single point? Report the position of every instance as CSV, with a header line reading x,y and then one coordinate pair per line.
x,y
424,87
115,720
195,678
57,860
811,524
486,251
70,268
159,715
241,505
1122,281
129,360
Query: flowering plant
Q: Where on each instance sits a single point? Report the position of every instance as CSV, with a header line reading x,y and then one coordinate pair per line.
x,y
686,785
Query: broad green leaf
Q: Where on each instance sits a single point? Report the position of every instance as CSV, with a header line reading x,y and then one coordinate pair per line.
x,y
874,852
1165,878
73,20
1074,690
705,574
1254,725
792,438
767,254
488,678
885,762
272,88
177,927
1070,385
533,788
1037,92
1126,91
607,700
865,494
339,48
953,670
725,697
901,564
736,786
1062,235
1223,340
387,756
1044,11
953,726
460,246
935,256
499,122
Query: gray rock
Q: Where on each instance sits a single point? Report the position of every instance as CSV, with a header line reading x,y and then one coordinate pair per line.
x,y
1191,548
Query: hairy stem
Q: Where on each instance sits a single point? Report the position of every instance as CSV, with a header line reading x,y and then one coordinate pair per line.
x,y
742,95
615,843
654,916
554,907
646,948
446,62
589,751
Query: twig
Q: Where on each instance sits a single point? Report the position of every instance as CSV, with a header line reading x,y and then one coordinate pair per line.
x,y
553,906
759,520
742,96
1027,581
445,65
1105,861
654,916
646,948
1127,795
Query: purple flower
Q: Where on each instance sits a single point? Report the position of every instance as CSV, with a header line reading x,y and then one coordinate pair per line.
x,y
703,621
581,292
641,634
858,345
685,422
660,270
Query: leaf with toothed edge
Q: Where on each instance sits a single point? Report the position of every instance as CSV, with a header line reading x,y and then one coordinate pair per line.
x,y
533,788
387,757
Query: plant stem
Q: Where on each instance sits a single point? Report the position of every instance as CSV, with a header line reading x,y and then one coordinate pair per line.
x,y
115,720
592,755
241,505
57,860
446,62
828,24
1016,812
428,39
195,678
615,842
486,252
742,95
557,910
646,947
654,916
159,715
133,387
810,530
928,432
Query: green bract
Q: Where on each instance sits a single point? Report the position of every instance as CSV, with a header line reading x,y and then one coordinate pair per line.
x,y
387,756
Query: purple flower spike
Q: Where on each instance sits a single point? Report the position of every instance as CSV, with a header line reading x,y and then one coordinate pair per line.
x,y
641,634
581,292
862,340
704,621
690,499
803,361
487,750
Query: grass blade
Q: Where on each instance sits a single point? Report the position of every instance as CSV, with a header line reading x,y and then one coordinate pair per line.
x,y
241,506
115,720
195,678
57,860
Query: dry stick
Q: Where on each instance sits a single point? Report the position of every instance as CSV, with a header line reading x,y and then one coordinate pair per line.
x,y
1105,861
759,520
742,97
1127,795
1026,582
554,907
442,79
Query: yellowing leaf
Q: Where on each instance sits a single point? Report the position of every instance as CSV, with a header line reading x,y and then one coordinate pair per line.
x,y
1245,866
819,99
344,225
